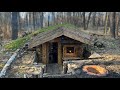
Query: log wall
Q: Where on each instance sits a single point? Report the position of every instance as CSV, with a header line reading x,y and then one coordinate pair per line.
x,y
59,53
45,53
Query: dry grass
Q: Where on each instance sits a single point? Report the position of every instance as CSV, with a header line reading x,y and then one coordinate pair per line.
x,y
21,66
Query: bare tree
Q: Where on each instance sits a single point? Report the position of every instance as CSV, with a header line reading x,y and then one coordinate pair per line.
x,y
113,24
41,19
117,24
88,19
14,25
106,23
84,21
94,19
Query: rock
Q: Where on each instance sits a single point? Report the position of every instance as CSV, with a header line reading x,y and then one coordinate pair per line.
x,y
72,66
77,71
35,63
99,44
95,55
7,53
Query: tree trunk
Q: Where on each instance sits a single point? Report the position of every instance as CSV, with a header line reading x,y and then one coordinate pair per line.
x,y
53,18
14,25
68,17
48,20
88,19
84,21
117,25
106,21
94,19
27,22
34,21
113,24
30,22
41,19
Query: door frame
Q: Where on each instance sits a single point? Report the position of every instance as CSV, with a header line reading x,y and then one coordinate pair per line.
x,y
49,62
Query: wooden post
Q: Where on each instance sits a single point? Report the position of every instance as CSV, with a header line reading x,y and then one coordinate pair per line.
x,y
59,53
41,73
65,68
45,53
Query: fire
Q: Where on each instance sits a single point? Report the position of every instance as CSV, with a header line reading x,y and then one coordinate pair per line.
x,y
70,51
95,70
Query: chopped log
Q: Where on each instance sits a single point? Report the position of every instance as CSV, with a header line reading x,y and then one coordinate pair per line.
x,y
8,64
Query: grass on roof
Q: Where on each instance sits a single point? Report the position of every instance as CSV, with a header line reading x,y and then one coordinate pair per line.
x,y
15,44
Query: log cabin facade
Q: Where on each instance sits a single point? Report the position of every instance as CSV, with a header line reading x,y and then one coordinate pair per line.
x,y
57,45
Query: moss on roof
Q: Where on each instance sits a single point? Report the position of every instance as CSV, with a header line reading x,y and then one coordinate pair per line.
x,y
15,44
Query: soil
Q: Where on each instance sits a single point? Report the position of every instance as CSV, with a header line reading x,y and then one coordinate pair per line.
x,y
21,66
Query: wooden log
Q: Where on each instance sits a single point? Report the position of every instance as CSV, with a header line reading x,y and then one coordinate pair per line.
x,y
41,73
38,75
35,74
65,68
7,65
44,53
59,53
57,76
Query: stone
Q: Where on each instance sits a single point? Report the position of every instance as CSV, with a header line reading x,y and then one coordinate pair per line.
x,y
95,55
77,71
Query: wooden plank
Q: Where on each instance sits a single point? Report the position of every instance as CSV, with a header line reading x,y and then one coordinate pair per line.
x,y
77,36
44,37
50,35
47,53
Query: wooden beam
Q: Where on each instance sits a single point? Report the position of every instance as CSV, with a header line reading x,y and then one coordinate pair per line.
x,y
59,53
45,53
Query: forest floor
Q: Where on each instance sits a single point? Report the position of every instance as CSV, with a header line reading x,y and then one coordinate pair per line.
x,y
21,66
110,61
111,52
